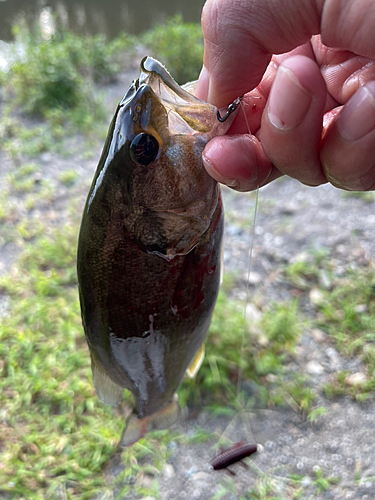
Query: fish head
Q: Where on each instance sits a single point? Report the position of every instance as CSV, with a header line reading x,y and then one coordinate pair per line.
x,y
155,151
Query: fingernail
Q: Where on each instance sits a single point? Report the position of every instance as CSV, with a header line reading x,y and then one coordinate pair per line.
x,y
357,117
203,85
233,183
288,101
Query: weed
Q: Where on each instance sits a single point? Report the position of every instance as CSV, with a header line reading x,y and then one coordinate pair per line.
x,y
366,196
302,274
57,432
54,79
339,386
323,483
299,395
347,313
179,46
20,139
268,488
311,268
314,415
47,78
282,326
68,178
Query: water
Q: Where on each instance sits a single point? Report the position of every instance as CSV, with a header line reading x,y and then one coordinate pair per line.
x,y
97,16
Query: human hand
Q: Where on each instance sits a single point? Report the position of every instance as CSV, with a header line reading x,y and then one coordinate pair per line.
x,y
311,109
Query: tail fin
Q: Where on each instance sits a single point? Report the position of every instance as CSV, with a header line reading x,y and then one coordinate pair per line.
x,y
136,427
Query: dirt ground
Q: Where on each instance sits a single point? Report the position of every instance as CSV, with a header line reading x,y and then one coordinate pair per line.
x,y
292,219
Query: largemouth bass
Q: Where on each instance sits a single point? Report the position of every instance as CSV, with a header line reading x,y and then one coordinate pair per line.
x,y
149,248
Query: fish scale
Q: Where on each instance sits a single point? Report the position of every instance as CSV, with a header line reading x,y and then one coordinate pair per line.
x,y
149,249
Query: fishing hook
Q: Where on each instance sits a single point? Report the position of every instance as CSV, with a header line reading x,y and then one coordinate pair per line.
x,y
231,109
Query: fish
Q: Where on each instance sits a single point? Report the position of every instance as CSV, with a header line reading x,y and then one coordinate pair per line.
x,y
149,249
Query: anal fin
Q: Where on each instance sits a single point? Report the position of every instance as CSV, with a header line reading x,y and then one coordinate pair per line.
x,y
196,363
107,390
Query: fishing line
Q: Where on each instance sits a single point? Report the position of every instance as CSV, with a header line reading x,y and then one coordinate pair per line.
x,y
278,483
247,296
239,405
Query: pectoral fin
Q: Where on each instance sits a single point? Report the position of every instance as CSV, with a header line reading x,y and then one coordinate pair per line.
x,y
196,363
107,390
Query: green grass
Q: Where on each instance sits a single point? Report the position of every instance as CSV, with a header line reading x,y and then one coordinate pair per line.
x,y
345,311
69,177
18,139
323,483
366,196
309,269
57,432
348,312
348,316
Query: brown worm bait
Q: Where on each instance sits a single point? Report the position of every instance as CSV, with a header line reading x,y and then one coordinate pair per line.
x,y
232,455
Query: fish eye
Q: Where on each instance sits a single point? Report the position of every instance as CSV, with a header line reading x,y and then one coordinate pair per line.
x,y
144,149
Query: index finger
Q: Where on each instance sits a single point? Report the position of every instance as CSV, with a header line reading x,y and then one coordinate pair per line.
x,y
241,35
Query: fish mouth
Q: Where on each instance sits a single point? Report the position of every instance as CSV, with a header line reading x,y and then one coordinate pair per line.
x,y
154,72
186,113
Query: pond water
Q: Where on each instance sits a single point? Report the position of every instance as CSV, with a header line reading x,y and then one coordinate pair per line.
x,y
97,16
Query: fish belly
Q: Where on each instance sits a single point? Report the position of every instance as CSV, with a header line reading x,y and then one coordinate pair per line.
x,y
146,318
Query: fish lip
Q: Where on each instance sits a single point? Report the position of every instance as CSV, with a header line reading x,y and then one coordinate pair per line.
x,y
151,71
178,100
150,66
187,114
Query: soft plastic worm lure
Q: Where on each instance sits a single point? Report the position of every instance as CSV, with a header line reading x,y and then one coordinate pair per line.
x,y
232,455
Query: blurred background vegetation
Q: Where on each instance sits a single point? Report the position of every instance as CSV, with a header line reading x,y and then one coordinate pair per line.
x,y
54,78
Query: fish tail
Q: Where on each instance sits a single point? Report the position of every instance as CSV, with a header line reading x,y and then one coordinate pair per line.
x,y
136,427
107,390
